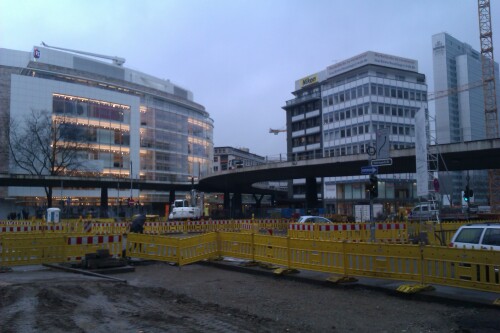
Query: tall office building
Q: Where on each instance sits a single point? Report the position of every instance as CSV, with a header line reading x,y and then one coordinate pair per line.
x,y
459,117
132,124
338,112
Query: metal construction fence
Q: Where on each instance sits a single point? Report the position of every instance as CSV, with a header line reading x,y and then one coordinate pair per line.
x,y
421,264
315,250
389,232
37,248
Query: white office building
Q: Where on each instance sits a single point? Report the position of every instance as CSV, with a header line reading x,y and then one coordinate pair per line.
x,y
339,110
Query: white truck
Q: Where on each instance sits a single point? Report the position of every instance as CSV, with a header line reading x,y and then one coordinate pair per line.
x,y
181,210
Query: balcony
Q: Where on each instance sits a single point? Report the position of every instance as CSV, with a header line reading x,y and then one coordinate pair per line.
x,y
303,99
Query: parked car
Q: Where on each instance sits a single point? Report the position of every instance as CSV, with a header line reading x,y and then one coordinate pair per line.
x,y
423,211
313,219
485,236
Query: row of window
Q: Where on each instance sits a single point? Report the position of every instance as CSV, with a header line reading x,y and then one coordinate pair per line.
x,y
77,133
308,123
351,131
309,139
374,89
348,113
89,110
376,108
361,148
306,107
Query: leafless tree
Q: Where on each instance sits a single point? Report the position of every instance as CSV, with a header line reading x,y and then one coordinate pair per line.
x,y
42,144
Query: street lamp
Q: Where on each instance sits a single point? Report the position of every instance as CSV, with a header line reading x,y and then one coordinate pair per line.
x,y
131,180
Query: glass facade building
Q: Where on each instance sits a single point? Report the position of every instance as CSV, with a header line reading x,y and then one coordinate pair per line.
x,y
131,124
460,117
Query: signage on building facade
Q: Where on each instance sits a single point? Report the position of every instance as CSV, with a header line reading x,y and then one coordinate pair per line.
x,y
308,80
36,53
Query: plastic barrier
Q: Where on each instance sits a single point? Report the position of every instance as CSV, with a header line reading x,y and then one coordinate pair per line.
x,y
434,233
36,248
78,246
31,249
182,251
353,232
156,228
391,233
473,269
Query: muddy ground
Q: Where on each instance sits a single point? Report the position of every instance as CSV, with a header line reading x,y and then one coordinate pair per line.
x,y
201,298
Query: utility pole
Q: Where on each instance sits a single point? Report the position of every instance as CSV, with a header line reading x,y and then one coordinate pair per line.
x,y
131,180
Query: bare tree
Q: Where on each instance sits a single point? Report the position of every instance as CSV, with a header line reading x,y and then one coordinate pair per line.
x,y
43,144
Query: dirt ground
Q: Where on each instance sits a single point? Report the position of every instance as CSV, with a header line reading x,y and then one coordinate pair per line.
x,y
201,298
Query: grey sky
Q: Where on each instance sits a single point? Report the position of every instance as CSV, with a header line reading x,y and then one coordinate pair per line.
x,y
241,58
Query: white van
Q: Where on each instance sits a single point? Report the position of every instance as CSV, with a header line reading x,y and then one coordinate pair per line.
x,y
424,211
484,236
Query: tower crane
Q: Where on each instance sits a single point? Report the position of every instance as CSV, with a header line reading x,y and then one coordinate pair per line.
x,y
276,131
489,92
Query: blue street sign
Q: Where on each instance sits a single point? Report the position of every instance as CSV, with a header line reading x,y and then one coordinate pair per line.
x,y
369,170
382,161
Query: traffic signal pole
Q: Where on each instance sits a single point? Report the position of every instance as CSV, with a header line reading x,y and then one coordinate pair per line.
x,y
371,152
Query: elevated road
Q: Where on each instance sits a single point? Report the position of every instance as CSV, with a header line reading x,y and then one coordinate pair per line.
x,y
90,182
472,155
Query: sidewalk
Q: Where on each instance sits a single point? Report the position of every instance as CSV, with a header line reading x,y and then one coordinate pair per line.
x,y
438,294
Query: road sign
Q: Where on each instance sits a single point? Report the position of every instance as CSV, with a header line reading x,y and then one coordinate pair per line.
x,y
368,170
382,161
383,143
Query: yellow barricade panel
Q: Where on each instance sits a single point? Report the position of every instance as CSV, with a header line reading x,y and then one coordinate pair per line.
x,y
317,255
31,249
162,248
198,248
390,261
79,245
474,269
238,245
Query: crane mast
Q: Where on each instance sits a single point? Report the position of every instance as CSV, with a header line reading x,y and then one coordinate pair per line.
x,y
116,60
489,92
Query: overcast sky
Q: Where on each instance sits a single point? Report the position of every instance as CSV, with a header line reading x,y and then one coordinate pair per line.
x,y
241,58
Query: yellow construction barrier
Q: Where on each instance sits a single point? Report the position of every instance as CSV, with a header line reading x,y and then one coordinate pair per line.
x,y
36,248
153,247
172,249
353,232
473,269
31,249
79,245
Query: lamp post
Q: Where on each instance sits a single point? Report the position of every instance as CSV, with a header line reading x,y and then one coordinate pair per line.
x,y
131,180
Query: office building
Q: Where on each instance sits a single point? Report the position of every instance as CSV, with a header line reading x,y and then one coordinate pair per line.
x,y
134,125
338,111
228,158
460,116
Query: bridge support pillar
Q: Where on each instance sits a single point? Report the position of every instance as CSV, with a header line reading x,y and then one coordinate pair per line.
x,y
103,209
311,194
236,205
258,202
171,197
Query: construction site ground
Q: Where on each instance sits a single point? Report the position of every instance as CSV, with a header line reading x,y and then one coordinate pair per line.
x,y
226,297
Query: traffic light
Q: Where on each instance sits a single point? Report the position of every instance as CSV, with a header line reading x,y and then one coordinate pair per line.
x,y
468,193
373,187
